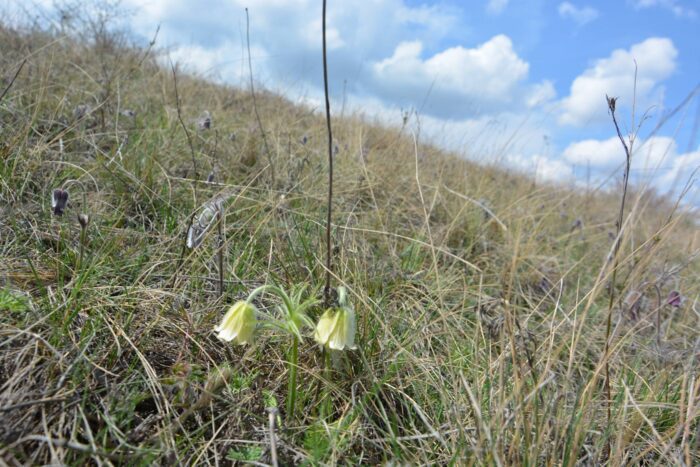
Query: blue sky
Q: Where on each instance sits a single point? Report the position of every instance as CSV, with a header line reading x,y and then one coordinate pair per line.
x,y
478,72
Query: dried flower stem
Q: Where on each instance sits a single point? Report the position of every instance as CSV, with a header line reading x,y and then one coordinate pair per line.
x,y
616,248
220,253
255,104
187,133
12,81
329,270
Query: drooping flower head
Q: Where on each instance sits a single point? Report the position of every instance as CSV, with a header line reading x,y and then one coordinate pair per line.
x,y
675,299
336,327
59,200
238,324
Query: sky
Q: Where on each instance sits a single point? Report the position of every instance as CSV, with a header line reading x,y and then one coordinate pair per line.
x,y
520,83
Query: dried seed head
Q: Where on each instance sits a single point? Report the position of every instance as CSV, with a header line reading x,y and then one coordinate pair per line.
x,y
84,220
59,200
203,222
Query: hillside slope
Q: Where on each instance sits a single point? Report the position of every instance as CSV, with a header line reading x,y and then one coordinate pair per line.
x,y
481,298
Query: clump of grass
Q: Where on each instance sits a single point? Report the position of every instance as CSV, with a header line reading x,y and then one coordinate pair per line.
x,y
480,311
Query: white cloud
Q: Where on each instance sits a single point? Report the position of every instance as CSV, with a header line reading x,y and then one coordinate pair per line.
x,y
496,7
458,76
609,153
408,67
541,167
581,16
683,167
597,153
655,163
674,6
614,76
540,93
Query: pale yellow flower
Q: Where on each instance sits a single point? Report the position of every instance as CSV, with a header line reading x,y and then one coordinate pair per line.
x,y
238,324
336,329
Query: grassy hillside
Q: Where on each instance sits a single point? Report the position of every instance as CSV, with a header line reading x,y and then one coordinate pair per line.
x,y
481,297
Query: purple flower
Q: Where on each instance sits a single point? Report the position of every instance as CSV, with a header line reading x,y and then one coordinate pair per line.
x,y
59,200
675,299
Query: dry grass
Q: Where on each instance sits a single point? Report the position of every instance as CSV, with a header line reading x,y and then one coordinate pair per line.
x,y
481,333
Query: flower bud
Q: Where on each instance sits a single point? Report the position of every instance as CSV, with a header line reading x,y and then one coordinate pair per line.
x,y
84,220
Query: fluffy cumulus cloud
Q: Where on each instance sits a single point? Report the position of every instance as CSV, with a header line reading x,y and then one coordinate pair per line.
x,y
580,15
456,78
542,168
609,153
655,161
394,49
614,76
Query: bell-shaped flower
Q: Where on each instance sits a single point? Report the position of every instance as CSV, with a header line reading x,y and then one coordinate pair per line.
x,y
336,328
238,324
59,200
675,299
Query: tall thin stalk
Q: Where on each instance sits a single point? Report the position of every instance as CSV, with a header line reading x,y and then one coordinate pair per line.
x,y
187,133
292,388
220,249
329,271
255,104
616,248
12,81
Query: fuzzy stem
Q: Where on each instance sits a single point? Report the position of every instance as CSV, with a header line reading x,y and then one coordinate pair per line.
x,y
292,389
83,232
326,400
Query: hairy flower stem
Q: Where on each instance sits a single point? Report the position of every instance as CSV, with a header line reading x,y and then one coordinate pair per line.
x,y
292,388
326,404
83,237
